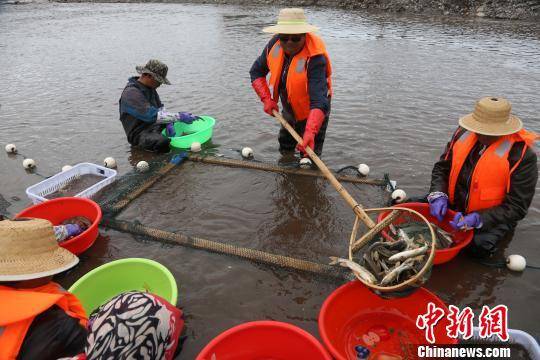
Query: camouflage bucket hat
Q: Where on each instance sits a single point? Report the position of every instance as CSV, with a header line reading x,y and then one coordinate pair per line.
x,y
157,69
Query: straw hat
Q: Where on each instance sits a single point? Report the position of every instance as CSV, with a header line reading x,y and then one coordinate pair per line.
x,y
492,117
28,250
291,21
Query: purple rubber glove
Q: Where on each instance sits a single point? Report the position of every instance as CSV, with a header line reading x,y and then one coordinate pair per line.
x,y
466,222
73,229
438,205
186,117
170,130
64,232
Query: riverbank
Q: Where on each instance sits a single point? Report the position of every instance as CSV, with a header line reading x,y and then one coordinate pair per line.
x,y
495,9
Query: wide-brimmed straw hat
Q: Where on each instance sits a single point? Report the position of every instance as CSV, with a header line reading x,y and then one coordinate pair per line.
x,y
291,21
492,117
28,250
157,69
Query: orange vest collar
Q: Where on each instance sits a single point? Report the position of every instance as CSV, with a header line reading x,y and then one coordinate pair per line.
x,y
22,304
297,81
486,190
19,307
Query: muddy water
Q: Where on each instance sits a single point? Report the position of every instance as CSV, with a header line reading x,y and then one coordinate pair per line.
x,y
75,186
400,85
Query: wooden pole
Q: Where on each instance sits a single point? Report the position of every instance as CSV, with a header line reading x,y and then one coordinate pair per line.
x,y
357,208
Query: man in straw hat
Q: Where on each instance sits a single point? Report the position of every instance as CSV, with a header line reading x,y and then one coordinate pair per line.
x,y
141,111
300,74
487,173
38,319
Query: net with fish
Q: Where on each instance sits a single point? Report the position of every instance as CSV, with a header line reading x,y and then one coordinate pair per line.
x,y
386,258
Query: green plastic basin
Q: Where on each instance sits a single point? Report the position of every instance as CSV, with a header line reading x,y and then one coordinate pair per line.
x,y
106,281
199,131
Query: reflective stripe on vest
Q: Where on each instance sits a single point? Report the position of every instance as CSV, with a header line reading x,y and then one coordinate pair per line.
x,y
17,319
297,79
490,180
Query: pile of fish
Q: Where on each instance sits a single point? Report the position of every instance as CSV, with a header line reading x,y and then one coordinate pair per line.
x,y
443,239
389,263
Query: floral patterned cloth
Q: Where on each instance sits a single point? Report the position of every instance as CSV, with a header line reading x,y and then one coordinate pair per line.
x,y
133,325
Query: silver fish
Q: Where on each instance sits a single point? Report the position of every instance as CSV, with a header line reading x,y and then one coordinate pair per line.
x,y
408,254
394,273
362,272
403,236
444,238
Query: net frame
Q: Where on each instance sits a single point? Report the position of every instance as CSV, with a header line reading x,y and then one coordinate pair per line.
x,y
415,281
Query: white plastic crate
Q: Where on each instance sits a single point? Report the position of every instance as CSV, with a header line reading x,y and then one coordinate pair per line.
x,y
36,193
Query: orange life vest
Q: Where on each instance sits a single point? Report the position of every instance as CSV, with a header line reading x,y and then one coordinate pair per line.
x,y
19,307
297,78
491,176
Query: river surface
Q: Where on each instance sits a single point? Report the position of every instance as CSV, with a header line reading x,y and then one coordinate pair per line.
x,y
400,85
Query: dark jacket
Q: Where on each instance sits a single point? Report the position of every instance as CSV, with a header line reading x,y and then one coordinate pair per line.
x,y
522,183
316,71
138,108
53,334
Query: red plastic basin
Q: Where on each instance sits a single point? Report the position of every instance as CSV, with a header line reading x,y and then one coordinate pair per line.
x,y
353,315
58,210
461,238
264,340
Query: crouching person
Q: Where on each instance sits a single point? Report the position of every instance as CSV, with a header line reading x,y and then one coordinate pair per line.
x,y
488,173
38,319
141,110
134,325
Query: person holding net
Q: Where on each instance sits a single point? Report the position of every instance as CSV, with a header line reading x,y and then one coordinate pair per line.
x,y
142,113
487,173
300,74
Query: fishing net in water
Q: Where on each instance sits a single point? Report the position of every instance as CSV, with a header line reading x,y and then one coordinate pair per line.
x,y
115,197
409,276
389,258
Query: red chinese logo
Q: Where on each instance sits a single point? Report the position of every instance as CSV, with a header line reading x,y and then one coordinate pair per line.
x,y
461,323
494,322
428,321
491,322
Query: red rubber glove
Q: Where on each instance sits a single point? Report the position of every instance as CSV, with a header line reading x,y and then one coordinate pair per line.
x,y
261,88
313,125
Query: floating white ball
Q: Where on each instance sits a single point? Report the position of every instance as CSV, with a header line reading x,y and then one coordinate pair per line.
x,y
516,262
109,162
247,152
363,169
143,166
11,148
399,195
29,163
305,162
66,167
195,147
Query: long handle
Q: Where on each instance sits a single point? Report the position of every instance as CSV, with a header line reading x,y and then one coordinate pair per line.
x,y
357,208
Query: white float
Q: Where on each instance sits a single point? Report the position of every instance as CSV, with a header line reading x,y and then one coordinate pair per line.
x,y
247,152
109,162
363,169
143,166
195,146
29,163
305,162
516,262
11,148
399,195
